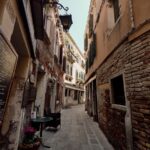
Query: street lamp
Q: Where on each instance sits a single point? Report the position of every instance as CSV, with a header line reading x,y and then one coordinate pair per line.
x,y
66,19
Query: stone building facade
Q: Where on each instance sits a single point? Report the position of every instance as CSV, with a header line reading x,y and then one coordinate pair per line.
x,y
121,69
74,73
31,79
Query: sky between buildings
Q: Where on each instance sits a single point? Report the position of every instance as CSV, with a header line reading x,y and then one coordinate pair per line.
x,y
79,11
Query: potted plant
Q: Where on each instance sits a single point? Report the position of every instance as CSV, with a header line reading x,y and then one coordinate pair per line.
x,y
30,141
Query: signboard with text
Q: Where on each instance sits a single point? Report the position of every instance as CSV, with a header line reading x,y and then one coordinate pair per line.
x,y
8,61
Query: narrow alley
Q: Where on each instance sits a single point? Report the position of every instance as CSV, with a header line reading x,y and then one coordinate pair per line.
x,y
77,132
74,75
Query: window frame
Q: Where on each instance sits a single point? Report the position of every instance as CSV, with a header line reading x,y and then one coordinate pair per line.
x,y
116,9
113,104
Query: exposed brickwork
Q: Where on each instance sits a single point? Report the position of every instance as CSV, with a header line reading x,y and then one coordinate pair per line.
x,y
138,90
133,59
112,123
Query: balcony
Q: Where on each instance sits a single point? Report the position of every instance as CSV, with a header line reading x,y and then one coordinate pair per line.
x,y
68,77
82,65
79,81
70,58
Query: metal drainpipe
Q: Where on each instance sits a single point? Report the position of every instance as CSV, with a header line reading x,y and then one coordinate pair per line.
x,y
128,121
131,14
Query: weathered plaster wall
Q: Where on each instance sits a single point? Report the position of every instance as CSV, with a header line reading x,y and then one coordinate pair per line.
x,y
108,32
13,118
140,11
14,111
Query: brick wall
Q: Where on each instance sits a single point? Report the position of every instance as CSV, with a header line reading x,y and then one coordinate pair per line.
x,y
133,59
138,90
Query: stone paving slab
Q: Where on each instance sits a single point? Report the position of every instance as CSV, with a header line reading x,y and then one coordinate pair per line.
x,y
77,132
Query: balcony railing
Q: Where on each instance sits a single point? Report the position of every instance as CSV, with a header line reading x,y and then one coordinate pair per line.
x,y
70,58
68,77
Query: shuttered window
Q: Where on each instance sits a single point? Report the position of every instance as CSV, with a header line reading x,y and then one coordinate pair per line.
x,y
86,43
92,51
90,25
116,9
64,64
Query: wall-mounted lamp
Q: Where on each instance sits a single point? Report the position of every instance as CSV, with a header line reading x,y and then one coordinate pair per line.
x,y
66,19
55,3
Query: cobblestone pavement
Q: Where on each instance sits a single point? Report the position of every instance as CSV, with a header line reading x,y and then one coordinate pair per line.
x,y
77,132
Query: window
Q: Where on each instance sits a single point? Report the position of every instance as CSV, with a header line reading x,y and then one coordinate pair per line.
x,y
116,9
77,59
87,66
79,75
76,74
90,25
82,75
71,70
64,64
66,92
69,93
86,42
67,69
61,54
82,64
75,95
118,95
92,52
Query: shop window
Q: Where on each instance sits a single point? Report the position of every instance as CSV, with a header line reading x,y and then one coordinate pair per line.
x,y
117,86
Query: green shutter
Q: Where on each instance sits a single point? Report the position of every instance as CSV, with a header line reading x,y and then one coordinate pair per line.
x,y
94,45
86,43
90,25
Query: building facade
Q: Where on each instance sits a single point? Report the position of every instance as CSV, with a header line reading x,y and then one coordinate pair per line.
x,y
74,72
31,74
117,40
